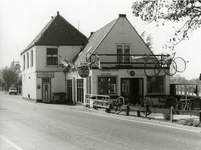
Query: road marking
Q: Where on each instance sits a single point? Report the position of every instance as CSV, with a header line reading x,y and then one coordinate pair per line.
x,y
131,120
11,143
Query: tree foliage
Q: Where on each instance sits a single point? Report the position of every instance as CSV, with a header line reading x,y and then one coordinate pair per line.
x,y
160,11
182,80
11,75
148,39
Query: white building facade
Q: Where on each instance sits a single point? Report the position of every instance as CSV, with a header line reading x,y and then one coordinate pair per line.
x,y
42,74
115,56
117,45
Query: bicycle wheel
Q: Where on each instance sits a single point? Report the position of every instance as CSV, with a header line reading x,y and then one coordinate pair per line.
x,y
170,68
149,67
147,101
181,64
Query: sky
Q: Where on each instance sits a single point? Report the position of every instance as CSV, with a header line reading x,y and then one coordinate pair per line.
x,y
22,20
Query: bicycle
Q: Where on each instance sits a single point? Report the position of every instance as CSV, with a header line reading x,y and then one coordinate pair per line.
x,y
155,64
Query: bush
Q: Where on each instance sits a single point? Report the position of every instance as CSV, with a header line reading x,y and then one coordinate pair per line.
x,y
191,122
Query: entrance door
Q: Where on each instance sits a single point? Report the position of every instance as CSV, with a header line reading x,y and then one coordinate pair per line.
x,y
132,90
69,90
46,90
80,90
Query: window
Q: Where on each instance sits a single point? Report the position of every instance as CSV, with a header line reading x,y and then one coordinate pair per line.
x,y
123,52
32,58
27,60
155,85
23,61
107,85
52,56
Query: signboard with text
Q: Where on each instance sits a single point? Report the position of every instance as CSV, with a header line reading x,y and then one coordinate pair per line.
x,y
45,74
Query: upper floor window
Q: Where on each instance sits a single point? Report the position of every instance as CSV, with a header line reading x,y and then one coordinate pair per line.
x,y
52,56
32,58
23,61
27,60
123,52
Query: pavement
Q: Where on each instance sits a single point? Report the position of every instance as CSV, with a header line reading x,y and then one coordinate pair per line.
x,y
153,116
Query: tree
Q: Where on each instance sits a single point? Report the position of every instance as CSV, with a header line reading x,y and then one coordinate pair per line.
x,y
148,39
10,75
161,11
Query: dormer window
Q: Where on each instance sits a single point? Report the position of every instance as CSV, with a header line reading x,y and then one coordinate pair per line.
x,y
52,56
123,52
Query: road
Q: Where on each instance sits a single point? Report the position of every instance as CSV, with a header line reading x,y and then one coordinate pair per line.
x,y
25,125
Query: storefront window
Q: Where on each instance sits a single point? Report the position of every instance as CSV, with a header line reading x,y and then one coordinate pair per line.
x,y
155,85
107,85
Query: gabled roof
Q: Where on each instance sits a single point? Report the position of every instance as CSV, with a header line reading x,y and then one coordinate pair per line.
x,y
58,31
94,41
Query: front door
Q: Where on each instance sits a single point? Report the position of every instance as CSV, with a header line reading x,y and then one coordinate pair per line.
x,y
80,90
132,90
46,90
69,90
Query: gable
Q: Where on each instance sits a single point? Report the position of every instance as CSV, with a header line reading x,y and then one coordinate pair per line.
x,y
58,32
105,40
123,33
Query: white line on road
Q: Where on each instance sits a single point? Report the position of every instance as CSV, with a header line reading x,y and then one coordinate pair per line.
x,y
9,142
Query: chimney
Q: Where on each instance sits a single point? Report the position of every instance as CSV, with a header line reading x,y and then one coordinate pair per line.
x,y
122,15
57,13
92,33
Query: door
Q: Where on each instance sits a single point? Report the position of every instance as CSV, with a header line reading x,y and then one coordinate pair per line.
x,y
132,90
69,90
46,90
80,90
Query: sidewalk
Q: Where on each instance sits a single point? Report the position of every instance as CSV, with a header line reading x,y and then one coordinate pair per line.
x,y
178,119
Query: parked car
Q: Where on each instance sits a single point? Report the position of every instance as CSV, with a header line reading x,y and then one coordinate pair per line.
x,y
12,90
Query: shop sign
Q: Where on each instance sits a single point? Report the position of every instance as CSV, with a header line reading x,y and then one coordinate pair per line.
x,y
83,71
45,74
106,74
109,70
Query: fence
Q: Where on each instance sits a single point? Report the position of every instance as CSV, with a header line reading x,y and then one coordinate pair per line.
x,y
186,89
94,100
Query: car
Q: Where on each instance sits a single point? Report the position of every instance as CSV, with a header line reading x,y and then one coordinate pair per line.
x,y
12,90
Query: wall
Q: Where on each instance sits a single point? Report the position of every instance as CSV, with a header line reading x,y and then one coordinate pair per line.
x,y
122,33
29,75
68,52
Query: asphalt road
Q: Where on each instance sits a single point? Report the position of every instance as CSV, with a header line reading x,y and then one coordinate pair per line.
x,y
26,125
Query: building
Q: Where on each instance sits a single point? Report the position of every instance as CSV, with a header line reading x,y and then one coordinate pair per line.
x,y
41,72
116,56
114,61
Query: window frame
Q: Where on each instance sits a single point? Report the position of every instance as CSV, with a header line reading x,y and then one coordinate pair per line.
x,y
158,84
115,85
50,56
120,55
24,62
27,59
31,58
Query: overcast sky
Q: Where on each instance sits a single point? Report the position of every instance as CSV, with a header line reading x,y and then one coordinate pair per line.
x,y
22,20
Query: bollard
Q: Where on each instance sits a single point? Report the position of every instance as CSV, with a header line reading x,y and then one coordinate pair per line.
x,y
127,110
147,106
138,113
200,116
171,114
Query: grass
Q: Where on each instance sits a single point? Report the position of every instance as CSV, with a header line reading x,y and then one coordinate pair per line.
x,y
191,122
